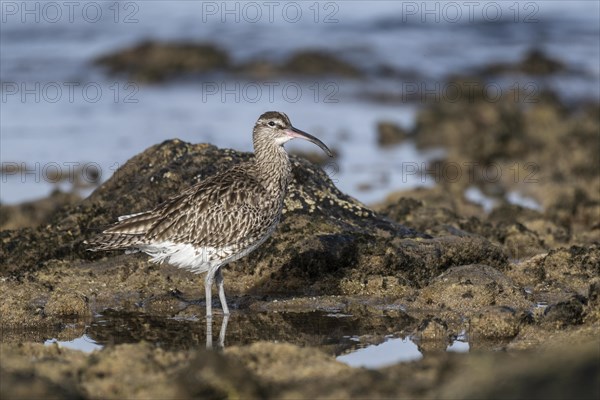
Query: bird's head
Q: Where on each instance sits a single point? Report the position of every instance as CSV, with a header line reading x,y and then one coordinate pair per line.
x,y
275,127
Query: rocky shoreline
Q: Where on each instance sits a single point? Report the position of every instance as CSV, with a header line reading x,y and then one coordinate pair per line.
x,y
429,272
521,284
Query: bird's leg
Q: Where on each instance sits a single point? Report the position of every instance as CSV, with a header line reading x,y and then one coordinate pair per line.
x,y
223,332
209,338
219,280
208,281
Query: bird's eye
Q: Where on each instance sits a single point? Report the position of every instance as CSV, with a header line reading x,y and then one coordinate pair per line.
x,y
271,123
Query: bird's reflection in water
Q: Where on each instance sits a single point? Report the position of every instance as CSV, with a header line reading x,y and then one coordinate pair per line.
x,y
209,334
332,331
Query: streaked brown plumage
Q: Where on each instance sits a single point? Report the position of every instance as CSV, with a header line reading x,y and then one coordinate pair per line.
x,y
220,219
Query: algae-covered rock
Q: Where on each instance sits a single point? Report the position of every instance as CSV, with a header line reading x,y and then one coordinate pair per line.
x,y
34,213
433,329
133,371
21,305
537,148
574,267
562,372
389,133
470,288
307,63
279,370
159,61
494,323
155,61
212,375
62,304
570,270
565,313
517,240
534,62
36,371
319,63
324,237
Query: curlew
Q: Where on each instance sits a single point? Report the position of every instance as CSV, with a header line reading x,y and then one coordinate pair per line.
x,y
220,219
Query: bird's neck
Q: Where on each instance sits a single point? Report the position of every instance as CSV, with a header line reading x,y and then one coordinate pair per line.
x,y
273,166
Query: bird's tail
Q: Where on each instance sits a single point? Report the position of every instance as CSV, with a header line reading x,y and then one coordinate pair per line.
x,y
128,233
113,241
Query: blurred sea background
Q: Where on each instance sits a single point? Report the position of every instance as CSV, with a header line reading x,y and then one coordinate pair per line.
x,y
60,111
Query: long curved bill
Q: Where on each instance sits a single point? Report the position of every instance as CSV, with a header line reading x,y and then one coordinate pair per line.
x,y
297,133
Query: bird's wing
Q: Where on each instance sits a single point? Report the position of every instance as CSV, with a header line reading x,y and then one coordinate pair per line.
x,y
220,211
134,224
217,212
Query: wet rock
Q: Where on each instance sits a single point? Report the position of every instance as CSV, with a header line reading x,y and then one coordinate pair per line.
x,y
26,385
211,375
432,328
35,371
132,371
369,285
570,270
319,63
389,133
549,233
304,63
535,62
74,330
432,335
34,213
265,359
592,311
470,288
315,375
563,372
420,215
513,146
390,71
166,304
273,371
529,272
433,198
258,69
473,126
513,213
594,292
494,323
63,304
172,334
333,236
21,305
565,313
574,267
517,240
155,61
578,210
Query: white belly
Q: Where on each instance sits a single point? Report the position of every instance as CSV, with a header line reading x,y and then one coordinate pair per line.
x,y
196,259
